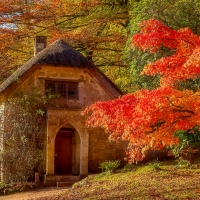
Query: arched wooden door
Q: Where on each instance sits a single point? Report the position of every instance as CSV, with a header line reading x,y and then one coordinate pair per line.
x,y
63,151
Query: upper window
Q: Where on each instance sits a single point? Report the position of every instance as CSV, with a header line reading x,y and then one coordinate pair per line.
x,y
67,90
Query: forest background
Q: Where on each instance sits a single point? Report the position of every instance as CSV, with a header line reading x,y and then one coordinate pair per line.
x,y
100,29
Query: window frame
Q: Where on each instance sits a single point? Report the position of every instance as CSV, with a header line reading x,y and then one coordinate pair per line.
x,y
57,84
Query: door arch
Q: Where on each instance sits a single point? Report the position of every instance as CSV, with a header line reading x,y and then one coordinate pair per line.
x,y
57,119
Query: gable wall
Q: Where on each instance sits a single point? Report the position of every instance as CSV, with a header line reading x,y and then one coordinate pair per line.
x,y
89,90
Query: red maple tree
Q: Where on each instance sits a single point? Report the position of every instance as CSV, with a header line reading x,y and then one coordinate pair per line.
x,y
183,64
149,119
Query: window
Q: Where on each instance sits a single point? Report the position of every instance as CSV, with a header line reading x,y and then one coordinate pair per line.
x,y
67,90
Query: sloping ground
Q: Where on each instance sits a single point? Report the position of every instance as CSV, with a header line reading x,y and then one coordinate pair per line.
x,y
149,182
144,182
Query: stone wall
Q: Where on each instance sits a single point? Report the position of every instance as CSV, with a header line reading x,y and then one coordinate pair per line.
x,y
101,149
2,107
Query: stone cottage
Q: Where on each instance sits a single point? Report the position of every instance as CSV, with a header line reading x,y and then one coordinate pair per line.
x,y
71,147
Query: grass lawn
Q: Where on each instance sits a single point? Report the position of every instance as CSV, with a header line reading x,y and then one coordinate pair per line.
x,y
165,180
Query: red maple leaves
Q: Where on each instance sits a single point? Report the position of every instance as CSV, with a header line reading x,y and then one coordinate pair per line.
x,y
183,64
149,119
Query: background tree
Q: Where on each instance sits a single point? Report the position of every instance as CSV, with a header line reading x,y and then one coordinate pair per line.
x,y
97,29
175,14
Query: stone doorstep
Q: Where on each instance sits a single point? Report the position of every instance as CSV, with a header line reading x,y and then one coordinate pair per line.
x,y
65,184
67,178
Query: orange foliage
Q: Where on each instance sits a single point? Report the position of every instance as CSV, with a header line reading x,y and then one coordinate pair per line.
x,y
149,119
83,25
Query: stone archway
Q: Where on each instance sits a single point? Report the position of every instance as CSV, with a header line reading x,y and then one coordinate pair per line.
x,y
58,119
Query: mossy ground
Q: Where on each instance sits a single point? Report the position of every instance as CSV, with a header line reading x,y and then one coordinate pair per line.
x,y
152,181
168,181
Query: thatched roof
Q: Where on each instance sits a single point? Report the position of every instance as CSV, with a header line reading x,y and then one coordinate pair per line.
x,y
58,53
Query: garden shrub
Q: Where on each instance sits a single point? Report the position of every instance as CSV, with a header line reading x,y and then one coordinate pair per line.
x,y
188,141
23,137
155,165
110,165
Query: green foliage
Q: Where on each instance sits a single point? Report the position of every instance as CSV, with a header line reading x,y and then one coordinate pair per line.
x,y
129,167
24,132
188,140
80,183
15,187
155,165
182,163
110,165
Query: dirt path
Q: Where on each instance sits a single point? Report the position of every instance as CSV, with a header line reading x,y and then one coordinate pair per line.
x,y
33,195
